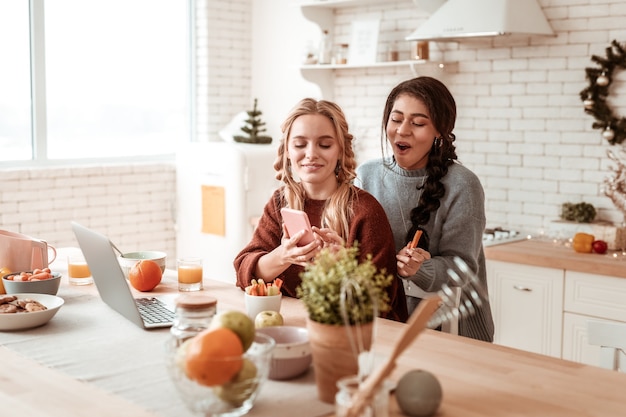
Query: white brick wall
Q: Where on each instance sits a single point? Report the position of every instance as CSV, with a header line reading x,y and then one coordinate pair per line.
x,y
222,64
132,204
135,204
521,125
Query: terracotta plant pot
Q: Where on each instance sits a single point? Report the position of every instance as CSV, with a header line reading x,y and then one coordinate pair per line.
x,y
333,357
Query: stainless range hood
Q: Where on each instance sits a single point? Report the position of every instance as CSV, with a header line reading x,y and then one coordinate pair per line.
x,y
458,19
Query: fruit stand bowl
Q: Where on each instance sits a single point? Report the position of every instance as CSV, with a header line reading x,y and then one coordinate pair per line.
x,y
233,398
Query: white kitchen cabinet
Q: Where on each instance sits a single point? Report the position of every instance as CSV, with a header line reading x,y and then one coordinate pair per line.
x,y
527,306
589,297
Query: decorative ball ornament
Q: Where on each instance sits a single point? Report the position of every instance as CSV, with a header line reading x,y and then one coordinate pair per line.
x,y
608,134
594,97
603,80
419,393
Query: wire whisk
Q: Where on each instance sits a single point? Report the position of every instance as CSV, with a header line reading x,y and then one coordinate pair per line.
x,y
462,300
352,293
446,305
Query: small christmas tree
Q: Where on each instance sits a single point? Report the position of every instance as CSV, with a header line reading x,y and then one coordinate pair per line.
x,y
253,127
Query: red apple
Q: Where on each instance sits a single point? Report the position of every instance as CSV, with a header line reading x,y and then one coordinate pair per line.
x,y
599,246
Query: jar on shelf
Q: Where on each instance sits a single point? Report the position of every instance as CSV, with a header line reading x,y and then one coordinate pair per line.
x,y
421,50
392,52
193,314
325,49
341,57
309,56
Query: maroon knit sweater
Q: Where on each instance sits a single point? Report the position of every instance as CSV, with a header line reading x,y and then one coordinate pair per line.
x,y
368,226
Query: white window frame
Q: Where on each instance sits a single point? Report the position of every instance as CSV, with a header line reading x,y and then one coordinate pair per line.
x,y
39,142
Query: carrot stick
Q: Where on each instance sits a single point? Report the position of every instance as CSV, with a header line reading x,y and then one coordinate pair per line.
x,y
416,239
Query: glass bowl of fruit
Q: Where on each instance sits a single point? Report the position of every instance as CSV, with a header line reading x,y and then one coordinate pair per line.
x,y
216,375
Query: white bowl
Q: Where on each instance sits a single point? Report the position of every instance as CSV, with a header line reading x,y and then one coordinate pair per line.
x,y
292,354
46,286
258,303
129,259
19,321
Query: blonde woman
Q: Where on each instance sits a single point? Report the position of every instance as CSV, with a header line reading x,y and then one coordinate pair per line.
x,y
316,164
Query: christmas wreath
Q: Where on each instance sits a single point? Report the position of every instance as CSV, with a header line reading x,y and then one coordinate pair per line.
x,y
594,96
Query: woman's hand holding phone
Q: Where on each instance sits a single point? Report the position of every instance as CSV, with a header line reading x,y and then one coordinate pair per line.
x,y
299,242
295,222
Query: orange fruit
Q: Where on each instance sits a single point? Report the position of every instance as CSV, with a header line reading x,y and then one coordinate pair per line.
x,y
214,357
145,275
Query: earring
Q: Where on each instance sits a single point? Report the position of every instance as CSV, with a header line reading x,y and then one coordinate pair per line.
x,y
337,168
438,142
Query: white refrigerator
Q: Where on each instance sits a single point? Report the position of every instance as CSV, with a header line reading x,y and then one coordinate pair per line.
x,y
222,188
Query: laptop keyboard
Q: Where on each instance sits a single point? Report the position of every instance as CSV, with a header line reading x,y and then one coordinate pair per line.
x,y
154,311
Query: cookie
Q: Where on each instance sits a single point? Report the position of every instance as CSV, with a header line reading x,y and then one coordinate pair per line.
x,y
34,306
7,298
8,308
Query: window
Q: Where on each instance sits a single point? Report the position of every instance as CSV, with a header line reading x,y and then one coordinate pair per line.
x,y
15,121
115,72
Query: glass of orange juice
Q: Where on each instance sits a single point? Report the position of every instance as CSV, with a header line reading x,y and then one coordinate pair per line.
x,y
189,274
78,271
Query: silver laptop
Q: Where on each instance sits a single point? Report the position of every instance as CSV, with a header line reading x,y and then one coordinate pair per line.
x,y
146,312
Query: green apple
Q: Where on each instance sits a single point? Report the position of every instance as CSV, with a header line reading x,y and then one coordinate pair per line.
x,y
242,386
239,323
267,319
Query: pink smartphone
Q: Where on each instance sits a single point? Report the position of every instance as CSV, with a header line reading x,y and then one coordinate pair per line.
x,y
297,220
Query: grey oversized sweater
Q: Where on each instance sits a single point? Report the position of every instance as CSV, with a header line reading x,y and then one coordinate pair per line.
x,y
455,229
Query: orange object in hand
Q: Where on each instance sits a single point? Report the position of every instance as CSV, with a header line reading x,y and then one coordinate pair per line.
x,y
416,239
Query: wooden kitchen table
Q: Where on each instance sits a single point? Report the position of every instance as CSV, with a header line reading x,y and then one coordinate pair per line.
x,y
88,342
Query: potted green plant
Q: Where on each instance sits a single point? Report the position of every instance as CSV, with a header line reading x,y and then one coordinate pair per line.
x,y
335,328
253,128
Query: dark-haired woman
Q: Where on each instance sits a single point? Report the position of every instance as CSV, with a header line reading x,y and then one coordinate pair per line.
x,y
422,186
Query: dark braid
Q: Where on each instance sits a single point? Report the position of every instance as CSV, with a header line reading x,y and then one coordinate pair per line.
x,y
442,110
439,159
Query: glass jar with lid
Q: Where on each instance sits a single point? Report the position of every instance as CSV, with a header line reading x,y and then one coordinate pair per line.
x,y
193,314
341,56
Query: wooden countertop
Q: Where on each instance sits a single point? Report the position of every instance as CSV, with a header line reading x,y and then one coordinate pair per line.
x,y
478,379
550,255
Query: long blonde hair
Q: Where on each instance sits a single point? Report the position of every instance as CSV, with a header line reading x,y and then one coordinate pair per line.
x,y
339,207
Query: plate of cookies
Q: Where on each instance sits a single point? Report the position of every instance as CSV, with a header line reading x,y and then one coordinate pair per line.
x,y
27,310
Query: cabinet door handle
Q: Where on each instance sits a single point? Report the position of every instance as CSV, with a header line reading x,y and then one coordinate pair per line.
x,y
521,288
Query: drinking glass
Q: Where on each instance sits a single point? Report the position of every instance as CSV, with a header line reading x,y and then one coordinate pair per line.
x,y
189,274
78,271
